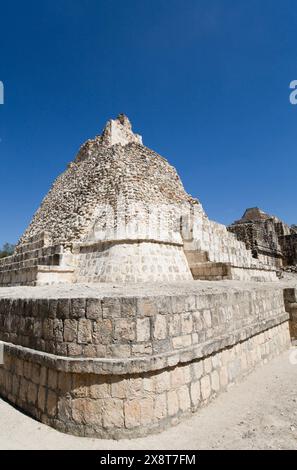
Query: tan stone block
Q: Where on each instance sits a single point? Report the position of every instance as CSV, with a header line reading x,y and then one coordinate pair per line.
x,y
111,308
195,392
197,369
19,367
98,388
216,360
120,388
186,323
113,413
32,393
84,332
80,385
64,410
70,330
103,332
224,376
124,329
225,357
132,414
173,405
184,398
143,329
215,381
23,389
27,369
197,321
144,349
146,308
135,387
90,350
146,411
36,373
207,365
187,373
74,350
148,385
51,403
162,382
86,411
52,379
160,327
177,377
160,407
186,341
121,350
177,342
41,398
195,338
205,387
174,325
15,385
94,309
43,376
180,342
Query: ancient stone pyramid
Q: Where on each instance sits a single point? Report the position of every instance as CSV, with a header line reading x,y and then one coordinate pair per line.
x,y
119,213
112,166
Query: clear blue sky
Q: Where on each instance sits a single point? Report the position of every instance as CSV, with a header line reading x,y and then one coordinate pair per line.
x,y
206,82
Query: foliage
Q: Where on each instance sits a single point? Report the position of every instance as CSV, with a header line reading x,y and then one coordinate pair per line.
x,y
6,250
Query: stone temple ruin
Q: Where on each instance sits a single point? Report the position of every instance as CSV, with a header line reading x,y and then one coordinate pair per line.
x,y
106,326
272,241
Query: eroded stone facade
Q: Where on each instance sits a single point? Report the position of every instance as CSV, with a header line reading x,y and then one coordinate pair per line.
x,y
271,241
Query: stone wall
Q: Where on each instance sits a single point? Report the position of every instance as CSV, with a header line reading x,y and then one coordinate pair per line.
x,y
291,307
127,326
123,365
288,244
37,261
141,261
118,406
222,246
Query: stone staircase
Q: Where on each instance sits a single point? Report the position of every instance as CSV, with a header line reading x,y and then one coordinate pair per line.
x,y
35,263
203,269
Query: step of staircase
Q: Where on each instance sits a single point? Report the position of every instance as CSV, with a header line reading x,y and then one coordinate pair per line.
x,y
211,271
195,256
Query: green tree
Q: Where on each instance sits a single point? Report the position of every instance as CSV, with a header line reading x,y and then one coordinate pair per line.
x,y
6,250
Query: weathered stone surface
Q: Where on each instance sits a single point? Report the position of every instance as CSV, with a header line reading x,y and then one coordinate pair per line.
x,y
271,240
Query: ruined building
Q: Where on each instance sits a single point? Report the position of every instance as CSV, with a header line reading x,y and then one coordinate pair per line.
x,y
271,241
119,213
106,328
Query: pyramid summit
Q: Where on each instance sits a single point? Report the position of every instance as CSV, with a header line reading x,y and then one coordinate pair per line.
x,y
116,132
120,213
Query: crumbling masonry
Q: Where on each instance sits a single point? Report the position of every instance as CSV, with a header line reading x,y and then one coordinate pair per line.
x,y
271,240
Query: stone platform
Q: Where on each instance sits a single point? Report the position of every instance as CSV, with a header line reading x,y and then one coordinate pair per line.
x,y
113,361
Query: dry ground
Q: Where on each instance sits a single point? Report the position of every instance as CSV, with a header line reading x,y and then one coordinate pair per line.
x,y
259,413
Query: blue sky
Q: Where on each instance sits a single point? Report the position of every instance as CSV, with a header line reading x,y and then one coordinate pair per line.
x,y
206,82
